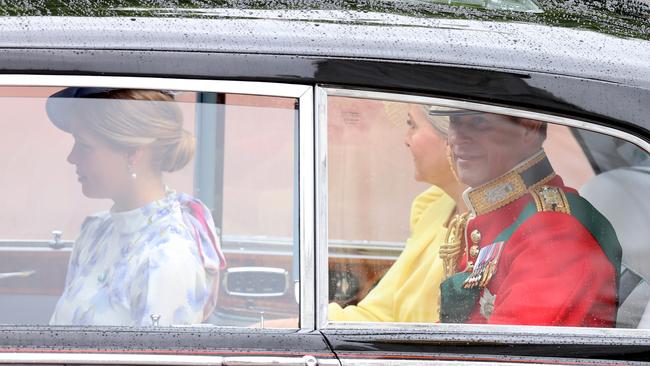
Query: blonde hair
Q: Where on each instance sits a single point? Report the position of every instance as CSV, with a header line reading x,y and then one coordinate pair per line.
x,y
138,118
397,113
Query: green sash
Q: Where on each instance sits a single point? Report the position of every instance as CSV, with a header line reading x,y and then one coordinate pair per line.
x,y
457,302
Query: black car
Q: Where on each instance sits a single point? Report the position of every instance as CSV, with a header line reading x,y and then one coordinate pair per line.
x,y
299,116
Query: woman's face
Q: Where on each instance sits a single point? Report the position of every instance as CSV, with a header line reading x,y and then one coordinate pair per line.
x,y
427,148
101,168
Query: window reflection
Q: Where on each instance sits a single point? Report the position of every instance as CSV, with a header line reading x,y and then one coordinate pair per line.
x,y
169,204
530,249
154,258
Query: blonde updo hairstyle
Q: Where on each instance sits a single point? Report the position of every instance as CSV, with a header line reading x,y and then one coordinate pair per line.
x,y
144,118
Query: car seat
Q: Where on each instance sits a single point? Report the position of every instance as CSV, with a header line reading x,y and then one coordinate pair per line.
x,y
621,195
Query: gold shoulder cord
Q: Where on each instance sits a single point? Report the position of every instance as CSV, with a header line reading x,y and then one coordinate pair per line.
x,y
452,248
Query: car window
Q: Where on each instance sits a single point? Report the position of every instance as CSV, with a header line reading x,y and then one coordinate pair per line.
x,y
440,214
147,207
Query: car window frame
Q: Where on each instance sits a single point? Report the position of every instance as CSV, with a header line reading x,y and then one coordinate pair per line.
x,y
468,332
303,181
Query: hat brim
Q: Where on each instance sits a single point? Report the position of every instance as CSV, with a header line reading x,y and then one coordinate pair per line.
x,y
60,106
451,112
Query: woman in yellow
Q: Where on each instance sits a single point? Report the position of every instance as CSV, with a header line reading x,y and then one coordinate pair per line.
x,y
410,290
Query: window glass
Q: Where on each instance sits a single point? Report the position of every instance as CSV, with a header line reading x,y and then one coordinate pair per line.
x,y
446,215
144,207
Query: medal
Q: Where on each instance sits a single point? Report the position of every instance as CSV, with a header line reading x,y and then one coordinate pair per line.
x,y
485,266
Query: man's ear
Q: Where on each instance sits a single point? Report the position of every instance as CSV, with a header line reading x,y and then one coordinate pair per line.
x,y
532,130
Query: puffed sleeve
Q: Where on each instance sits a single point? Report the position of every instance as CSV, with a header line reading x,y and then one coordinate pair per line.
x,y
557,274
170,284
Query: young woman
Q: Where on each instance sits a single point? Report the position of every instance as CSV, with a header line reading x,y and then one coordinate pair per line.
x,y
154,257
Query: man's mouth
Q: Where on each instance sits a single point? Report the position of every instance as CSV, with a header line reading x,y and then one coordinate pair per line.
x,y
466,156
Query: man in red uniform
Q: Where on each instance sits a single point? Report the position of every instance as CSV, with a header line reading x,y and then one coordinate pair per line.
x,y
533,252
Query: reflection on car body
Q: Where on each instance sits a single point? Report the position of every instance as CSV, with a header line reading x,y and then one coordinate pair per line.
x,y
300,118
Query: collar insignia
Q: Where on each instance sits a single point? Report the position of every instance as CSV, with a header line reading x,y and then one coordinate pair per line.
x,y
531,173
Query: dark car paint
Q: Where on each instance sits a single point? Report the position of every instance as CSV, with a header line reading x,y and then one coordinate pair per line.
x,y
207,341
533,91
555,70
484,345
270,51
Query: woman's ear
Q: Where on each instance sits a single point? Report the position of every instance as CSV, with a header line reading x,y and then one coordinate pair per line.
x,y
133,159
134,155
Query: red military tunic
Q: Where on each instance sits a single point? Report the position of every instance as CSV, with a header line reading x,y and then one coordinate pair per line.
x,y
550,271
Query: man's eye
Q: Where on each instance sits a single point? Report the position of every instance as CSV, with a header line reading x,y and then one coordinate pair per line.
x,y
480,123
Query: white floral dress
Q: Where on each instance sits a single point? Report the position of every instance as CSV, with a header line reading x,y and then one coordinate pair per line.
x,y
158,264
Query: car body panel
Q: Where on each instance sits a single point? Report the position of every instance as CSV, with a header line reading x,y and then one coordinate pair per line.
x,y
450,61
556,71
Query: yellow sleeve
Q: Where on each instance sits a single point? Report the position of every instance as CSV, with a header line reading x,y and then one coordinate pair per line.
x,y
383,304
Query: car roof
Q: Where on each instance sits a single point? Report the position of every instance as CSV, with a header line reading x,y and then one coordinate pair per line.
x,y
349,34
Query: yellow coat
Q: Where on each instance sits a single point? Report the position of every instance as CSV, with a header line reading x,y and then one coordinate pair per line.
x,y
410,290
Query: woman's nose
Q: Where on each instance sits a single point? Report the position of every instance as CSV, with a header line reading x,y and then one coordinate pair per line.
x,y
407,138
70,157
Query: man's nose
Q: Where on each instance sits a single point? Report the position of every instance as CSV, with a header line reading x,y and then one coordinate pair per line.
x,y
458,134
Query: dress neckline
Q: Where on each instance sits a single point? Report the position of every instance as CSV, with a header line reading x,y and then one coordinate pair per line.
x,y
130,221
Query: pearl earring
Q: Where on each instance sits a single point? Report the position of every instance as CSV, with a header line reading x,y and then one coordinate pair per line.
x,y
131,171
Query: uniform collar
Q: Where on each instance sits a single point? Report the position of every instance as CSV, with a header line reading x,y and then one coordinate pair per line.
x,y
510,186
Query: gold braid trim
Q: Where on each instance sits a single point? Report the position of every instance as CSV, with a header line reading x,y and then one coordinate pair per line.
x,y
452,248
548,198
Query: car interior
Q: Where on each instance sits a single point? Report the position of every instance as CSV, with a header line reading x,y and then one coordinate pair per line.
x,y
245,172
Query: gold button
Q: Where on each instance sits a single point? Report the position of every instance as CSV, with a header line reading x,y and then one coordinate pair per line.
x,y
475,236
473,251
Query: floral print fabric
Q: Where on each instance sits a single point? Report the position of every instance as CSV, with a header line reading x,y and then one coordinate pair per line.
x,y
158,264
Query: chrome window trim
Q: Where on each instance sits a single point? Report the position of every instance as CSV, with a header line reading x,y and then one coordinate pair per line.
x,y
322,283
157,359
601,335
515,334
306,210
397,362
303,93
108,359
199,85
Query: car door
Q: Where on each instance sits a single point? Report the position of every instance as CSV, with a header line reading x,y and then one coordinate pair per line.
x,y
252,168
376,193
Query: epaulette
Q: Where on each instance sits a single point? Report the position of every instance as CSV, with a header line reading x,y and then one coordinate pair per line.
x,y
548,198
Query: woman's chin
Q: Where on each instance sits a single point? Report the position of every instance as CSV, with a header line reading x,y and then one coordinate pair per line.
x,y
90,192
